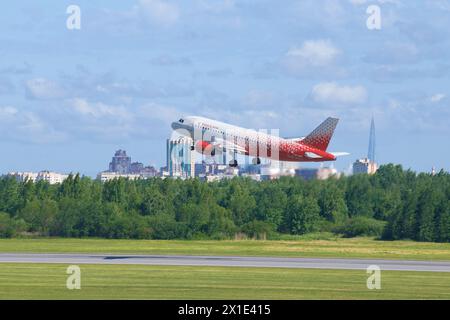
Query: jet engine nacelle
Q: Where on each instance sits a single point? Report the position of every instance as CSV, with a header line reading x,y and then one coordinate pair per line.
x,y
208,148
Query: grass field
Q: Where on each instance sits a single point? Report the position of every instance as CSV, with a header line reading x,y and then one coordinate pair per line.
x,y
48,281
307,247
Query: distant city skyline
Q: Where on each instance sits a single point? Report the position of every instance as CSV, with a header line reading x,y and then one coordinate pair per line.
x,y
69,98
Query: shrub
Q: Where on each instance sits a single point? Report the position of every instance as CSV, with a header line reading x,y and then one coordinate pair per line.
x,y
361,226
10,227
258,229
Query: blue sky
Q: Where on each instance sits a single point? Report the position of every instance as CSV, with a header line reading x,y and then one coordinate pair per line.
x,y
70,98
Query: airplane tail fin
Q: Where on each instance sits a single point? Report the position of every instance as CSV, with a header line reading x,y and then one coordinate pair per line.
x,y
321,136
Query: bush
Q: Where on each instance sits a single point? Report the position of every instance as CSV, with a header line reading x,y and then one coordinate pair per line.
x,y
10,227
361,226
164,227
258,229
6,226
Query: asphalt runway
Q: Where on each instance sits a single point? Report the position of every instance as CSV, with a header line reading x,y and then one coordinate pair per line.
x,y
227,261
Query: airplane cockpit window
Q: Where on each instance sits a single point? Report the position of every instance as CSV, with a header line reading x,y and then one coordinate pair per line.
x,y
181,120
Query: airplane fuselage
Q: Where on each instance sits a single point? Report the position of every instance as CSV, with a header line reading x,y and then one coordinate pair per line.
x,y
208,134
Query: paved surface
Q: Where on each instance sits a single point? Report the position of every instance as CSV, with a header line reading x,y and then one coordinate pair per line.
x,y
227,261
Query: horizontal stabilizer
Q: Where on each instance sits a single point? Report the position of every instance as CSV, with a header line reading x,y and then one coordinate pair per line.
x,y
340,154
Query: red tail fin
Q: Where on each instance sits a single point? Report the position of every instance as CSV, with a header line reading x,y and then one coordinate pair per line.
x,y
321,136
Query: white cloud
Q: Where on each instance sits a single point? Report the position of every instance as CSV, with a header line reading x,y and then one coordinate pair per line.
x,y
312,56
99,109
313,52
160,12
22,125
43,89
330,92
7,112
437,97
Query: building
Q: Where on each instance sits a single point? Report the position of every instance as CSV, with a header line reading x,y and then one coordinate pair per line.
x,y
277,169
364,166
371,151
226,173
120,163
51,177
23,176
148,172
367,165
122,167
48,176
107,176
180,159
307,173
136,167
326,173
316,173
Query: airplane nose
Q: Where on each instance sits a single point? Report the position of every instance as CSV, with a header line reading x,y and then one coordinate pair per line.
x,y
175,125
182,126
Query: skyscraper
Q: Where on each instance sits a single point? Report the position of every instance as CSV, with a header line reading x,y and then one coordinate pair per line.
x,y
367,165
371,152
180,158
120,163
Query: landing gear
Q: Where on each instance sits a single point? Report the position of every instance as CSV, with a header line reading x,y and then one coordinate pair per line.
x,y
233,163
256,161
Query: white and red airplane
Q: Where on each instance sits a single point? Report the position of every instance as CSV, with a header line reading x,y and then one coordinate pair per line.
x,y
211,137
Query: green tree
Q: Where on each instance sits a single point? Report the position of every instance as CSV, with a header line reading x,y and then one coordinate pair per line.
x,y
7,227
221,224
40,215
155,203
195,217
241,203
358,195
271,204
303,215
332,203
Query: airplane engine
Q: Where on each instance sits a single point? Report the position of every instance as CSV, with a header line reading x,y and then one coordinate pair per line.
x,y
208,148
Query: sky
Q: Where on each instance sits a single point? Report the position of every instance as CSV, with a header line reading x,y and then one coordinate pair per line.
x,y
70,97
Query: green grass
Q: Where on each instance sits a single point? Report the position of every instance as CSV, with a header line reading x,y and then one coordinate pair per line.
x,y
48,281
300,247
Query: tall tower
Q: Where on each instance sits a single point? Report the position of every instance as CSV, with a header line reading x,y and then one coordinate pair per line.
x,y
367,165
371,152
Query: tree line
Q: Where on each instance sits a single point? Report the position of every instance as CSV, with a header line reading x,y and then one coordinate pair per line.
x,y
392,204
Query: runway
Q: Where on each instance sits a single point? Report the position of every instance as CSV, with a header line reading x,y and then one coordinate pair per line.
x,y
227,261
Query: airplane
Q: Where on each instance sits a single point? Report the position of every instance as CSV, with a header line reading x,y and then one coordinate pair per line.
x,y
211,138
